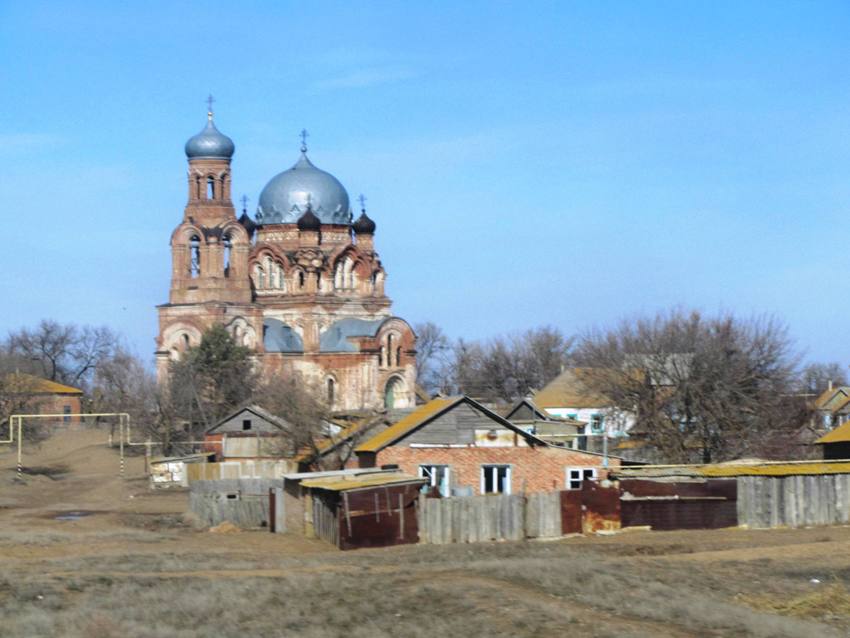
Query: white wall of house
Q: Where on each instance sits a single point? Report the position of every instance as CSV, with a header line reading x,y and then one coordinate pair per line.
x,y
615,422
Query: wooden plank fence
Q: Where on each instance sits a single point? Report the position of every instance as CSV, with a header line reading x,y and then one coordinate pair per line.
x,y
794,501
493,517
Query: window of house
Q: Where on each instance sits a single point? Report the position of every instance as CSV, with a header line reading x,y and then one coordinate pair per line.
x,y
577,475
573,416
495,479
596,423
246,424
438,476
66,410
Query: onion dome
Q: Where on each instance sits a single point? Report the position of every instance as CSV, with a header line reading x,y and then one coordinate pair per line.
x,y
210,143
308,221
287,196
364,225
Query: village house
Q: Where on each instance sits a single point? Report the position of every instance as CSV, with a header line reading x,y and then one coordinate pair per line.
x,y
832,408
463,448
42,396
249,432
569,396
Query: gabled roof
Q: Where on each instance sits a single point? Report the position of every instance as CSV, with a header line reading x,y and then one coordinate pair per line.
x,y
568,390
257,411
537,412
829,396
30,384
841,434
428,412
344,435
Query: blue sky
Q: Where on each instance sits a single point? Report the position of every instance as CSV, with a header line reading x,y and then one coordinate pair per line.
x,y
527,163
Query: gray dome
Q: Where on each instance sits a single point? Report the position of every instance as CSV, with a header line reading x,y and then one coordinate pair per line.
x,y
288,195
210,143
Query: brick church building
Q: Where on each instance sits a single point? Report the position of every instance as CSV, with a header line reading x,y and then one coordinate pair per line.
x,y
300,284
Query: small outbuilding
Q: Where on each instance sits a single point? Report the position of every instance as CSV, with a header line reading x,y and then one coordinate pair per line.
x,y
353,508
836,444
247,433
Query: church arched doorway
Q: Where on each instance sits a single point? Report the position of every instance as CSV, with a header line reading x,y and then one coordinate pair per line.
x,y
394,394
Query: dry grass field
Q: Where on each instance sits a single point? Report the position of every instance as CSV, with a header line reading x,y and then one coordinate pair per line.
x,y
133,568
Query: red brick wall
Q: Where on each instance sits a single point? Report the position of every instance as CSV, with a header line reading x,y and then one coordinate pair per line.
x,y
55,404
534,469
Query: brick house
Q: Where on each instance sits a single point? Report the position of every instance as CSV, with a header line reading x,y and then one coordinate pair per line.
x,y
42,396
462,447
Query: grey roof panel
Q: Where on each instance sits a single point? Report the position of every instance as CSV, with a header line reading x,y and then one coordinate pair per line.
x,y
278,337
335,338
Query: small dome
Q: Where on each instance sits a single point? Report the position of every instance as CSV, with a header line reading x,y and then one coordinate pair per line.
x,y
364,225
288,195
210,143
308,221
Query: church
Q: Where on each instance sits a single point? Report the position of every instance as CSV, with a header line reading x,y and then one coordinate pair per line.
x,y
300,284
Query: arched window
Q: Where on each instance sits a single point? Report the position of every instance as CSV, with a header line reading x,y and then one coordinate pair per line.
x,y
300,279
228,247
331,390
281,283
318,281
259,277
185,342
210,187
272,271
390,350
398,356
194,256
394,394
338,275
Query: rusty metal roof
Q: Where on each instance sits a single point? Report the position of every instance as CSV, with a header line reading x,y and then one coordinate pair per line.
x,y
344,483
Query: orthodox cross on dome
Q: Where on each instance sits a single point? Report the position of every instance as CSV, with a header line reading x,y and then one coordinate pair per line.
x,y
210,100
362,200
244,201
304,135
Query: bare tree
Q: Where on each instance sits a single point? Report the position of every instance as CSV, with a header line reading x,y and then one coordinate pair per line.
x,y
510,367
706,389
433,357
816,377
63,352
297,402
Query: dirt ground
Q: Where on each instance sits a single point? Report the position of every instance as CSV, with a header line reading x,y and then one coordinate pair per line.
x,y
132,566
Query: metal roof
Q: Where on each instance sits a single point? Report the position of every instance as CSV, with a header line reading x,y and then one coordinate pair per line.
x,y
335,338
288,194
344,483
278,337
297,476
210,143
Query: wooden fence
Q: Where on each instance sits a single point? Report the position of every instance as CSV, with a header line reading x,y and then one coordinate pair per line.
x,y
243,502
493,517
794,501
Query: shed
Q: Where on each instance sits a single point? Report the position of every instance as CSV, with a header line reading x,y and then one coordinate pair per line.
x,y
248,432
836,444
365,510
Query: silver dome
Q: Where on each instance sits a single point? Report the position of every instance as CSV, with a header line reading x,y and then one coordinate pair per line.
x,y
210,143
287,195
